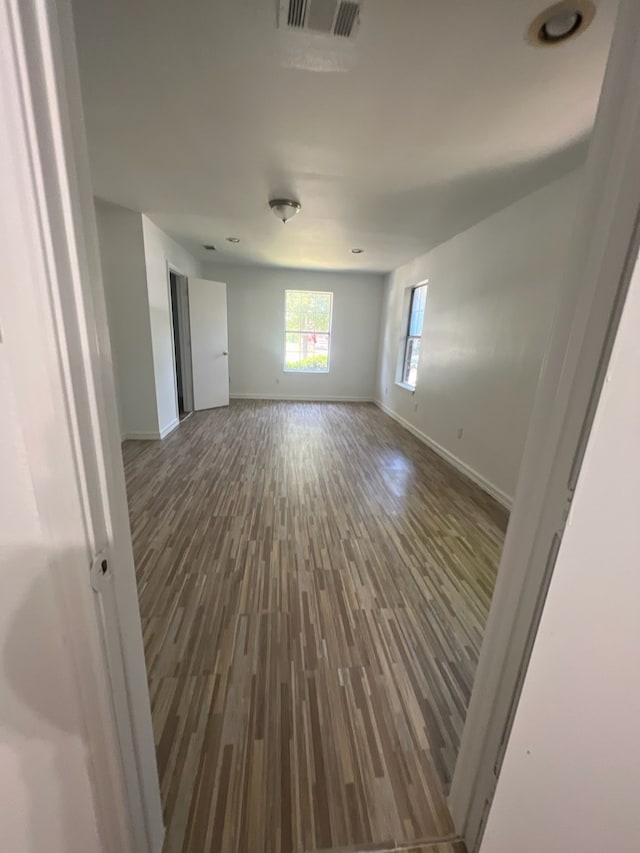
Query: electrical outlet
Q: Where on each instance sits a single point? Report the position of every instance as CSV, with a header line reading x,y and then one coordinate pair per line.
x,y
460,431
386,390
415,407
277,381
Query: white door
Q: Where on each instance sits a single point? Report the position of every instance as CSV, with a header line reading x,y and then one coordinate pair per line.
x,y
209,343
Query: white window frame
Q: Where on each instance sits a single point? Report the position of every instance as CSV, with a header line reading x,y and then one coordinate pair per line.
x,y
307,331
409,338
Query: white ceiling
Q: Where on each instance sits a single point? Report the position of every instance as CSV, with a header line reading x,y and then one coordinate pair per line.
x,y
199,112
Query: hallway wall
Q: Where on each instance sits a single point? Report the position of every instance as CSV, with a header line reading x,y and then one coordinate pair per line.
x,y
134,254
160,250
492,294
125,288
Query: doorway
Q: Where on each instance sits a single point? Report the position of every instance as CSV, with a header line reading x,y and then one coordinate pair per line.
x,y
181,334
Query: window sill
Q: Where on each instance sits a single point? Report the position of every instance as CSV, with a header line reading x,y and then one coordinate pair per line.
x,y
406,387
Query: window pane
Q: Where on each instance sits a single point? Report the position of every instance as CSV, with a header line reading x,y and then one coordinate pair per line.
x,y
411,361
418,301
309,301
292,348
307,352
322,312
293,310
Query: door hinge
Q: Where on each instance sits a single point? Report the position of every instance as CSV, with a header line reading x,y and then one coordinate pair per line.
x,y
100,571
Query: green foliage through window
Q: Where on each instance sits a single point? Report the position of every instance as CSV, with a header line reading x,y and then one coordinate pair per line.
x,y
311,364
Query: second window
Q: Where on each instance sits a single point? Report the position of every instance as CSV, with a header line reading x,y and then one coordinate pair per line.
x,y
414,335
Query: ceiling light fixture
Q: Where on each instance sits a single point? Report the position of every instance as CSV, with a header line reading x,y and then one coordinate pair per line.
x,y
357,251
209,247
560,22
284,208
232,239
560,26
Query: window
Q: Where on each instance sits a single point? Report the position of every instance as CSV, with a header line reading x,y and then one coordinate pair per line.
x,y
414,333
307,331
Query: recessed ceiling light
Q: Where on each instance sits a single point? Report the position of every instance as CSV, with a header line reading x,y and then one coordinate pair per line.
x,y
561,25
209,248
357,251
233,239
560,22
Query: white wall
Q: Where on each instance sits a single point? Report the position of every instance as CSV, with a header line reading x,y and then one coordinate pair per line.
x,y
255,298
160,249
571,774
125,285
134,254
492,293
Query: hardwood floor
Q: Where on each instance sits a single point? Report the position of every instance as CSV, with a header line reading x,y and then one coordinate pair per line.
x,y
313,585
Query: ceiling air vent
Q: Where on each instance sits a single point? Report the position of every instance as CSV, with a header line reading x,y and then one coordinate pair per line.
x,y
331,17
346,18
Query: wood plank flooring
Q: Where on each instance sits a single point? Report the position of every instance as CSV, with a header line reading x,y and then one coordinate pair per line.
x,y
313,585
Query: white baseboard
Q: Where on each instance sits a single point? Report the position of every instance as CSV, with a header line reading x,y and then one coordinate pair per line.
x,y
487,486
169,428
140,435
312,398
152,435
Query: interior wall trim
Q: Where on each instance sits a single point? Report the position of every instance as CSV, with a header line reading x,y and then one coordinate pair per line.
x,y
304,398
150,435
169,428
486,485
141,435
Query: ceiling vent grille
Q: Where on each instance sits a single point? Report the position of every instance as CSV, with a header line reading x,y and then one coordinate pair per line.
x,y
346,18
296,13
339,18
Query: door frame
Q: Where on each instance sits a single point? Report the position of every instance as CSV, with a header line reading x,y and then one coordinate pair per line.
x,y
605,240
49,144
185,338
